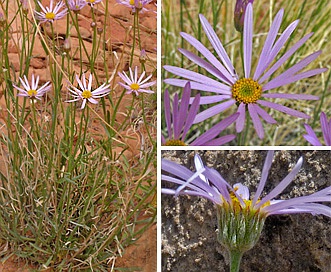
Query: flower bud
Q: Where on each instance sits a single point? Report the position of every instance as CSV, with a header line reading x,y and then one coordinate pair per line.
x,y
239,13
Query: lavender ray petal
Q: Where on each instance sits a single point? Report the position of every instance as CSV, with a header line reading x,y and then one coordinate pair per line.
x,y
295,68
284,58
205,65
277,83
219,182
282,185
213,111
167,112
248,39
326,129
240,123
175,117
176,169
312,208
312,140
210,57
300,203
265,116
281,41
215,130
282,108
264,176
213,99
184,106
191,115
268,44
221,140
311,136
194,76
291,96
256,120
217,45
198,86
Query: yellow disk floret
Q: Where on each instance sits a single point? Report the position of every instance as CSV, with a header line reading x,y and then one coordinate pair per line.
x,y
87,94
246,90
135,86
175,143
32,93
50,15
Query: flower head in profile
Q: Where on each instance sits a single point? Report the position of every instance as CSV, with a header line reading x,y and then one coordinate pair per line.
x,y
93,2
49,14
251,92
32,91
180,119
240,216
326,131
135,85
135,5
76,5
85,92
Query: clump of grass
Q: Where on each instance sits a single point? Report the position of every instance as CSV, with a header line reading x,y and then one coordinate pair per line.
x,y
313,16
77,186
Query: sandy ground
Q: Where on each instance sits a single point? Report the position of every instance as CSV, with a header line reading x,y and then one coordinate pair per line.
x,y
289,243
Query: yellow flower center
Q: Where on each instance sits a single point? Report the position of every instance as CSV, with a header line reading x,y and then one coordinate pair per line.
x,y
50,16
135,86
236,205
246,90
32,93
91,1
175,143
87,94
132,2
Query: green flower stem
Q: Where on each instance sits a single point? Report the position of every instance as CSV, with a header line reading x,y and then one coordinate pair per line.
x,y
235,259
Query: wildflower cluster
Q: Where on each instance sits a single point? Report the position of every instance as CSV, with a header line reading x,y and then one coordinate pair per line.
x,y
67,127
248,94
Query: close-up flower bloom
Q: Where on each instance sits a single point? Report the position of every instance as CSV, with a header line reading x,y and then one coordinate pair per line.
x,y
250,92
76,5
326,131
135,85
135,5
49,14
32,91
86,93
180,120
240,216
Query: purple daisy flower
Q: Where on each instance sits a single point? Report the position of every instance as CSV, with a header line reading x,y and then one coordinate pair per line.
x,y
251,91
208,183
85,93
180,120
135,5
241,217
135,85
326,130
32,91
49,14
76,5
93,2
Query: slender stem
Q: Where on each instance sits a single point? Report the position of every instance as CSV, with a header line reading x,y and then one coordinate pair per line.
x,y
235,258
